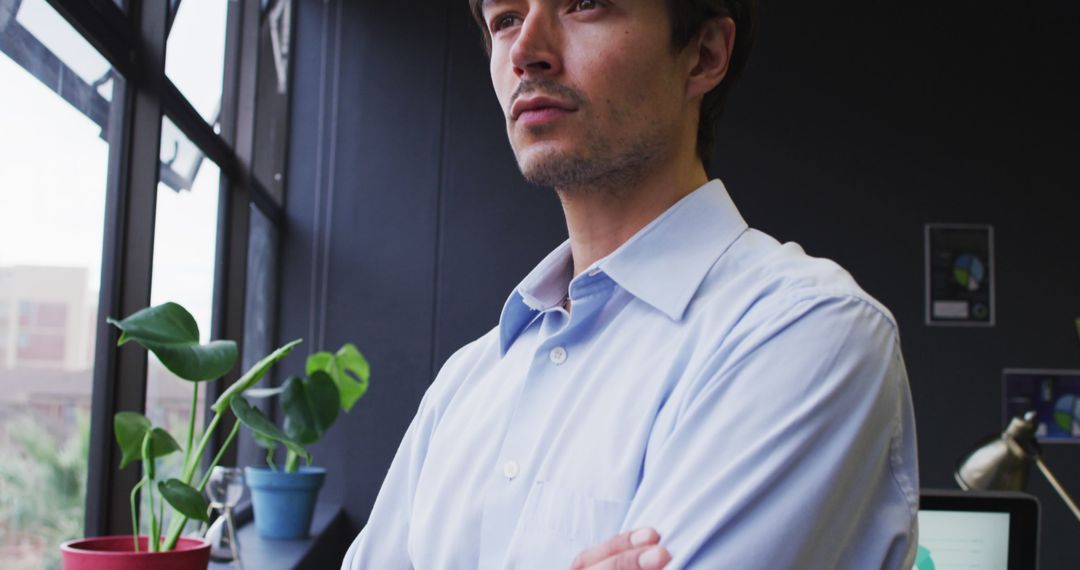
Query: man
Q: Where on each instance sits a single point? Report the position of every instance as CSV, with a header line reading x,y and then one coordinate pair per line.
x,y
668,387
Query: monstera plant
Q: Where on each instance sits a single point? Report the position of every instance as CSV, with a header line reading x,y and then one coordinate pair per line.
x,y
171,333
309,404
284,499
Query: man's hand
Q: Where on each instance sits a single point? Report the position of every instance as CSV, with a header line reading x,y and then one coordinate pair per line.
x,y
632,550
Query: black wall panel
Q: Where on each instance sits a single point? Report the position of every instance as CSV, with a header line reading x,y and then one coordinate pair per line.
x,y
854,126
359,254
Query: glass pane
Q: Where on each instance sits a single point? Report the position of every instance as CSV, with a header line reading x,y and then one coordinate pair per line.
x,y
53,32
56,93
181,160
261,294
260,305
195,54
272,96
185,239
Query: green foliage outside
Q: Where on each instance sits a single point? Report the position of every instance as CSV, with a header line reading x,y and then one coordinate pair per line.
x,y
42,492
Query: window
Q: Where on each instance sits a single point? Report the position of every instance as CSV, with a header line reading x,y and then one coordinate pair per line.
x,y
105,182
261,295
5,325
271,129
185,238
54,153
195,55
42,331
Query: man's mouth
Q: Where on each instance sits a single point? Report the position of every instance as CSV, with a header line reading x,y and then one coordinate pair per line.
x,y
536,110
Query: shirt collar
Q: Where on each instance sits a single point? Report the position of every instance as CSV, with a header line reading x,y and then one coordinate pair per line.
x,y
666,261
543,288
663,264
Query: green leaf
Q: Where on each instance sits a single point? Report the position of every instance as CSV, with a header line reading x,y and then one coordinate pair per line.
x,y
349,370
252,376
185,499
196,362
299,420
156,443
170,332
167,322
310,406
254,419
129,429
264,442
161,443
321,361
324,399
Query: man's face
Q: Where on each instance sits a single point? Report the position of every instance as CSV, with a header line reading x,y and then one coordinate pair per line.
x,y
591,89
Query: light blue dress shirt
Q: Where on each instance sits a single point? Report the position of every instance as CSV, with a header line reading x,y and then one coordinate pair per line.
x,y
745,399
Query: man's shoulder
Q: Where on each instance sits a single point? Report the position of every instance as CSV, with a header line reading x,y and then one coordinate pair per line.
x,y
463,361
759,279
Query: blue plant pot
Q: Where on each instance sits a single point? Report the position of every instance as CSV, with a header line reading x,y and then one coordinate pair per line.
x,y
284,502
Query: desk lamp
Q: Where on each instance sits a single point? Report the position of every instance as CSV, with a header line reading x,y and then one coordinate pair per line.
x,y
1002,462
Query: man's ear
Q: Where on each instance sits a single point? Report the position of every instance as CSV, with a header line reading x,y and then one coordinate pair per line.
x,y
711,56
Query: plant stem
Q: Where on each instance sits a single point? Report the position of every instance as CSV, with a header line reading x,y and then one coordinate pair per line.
x,y
161,519
135,511
217,458
292,462
191,422
152,540
193,463
176,525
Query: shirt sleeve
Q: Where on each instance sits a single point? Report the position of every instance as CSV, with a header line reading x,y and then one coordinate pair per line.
x,y
383,542
794,448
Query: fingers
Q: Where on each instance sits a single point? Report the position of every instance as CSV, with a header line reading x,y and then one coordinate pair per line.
x,y
631,550
645,558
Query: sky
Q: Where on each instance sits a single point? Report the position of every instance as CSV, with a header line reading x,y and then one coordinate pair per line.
x,y
53,162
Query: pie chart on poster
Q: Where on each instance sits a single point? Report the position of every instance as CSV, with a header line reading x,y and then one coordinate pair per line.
x,y
969,272
1067,414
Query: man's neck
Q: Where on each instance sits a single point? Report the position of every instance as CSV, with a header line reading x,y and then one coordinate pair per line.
x,y
599,220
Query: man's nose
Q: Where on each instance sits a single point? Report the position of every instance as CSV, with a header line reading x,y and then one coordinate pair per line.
x,y
535,49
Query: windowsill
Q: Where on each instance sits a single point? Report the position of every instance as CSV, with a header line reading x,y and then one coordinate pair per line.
x,y
317,551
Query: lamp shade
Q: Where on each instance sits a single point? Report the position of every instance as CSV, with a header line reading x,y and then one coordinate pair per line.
x,y
1001,462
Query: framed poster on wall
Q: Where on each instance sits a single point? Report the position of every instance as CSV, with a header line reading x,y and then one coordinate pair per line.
x,y
1054,396
959,275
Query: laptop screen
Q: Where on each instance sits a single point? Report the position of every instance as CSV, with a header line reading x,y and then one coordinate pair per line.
x,y
987,530
963,539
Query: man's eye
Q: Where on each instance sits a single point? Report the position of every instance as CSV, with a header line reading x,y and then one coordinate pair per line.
x,y
581,5
503,22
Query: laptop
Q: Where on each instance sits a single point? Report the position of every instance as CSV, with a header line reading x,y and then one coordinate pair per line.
x,y
984,530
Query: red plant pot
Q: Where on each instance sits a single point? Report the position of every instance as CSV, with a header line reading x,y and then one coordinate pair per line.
x,y
118,553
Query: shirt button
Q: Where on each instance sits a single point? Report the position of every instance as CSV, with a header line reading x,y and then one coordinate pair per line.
x,y
557,355
511,470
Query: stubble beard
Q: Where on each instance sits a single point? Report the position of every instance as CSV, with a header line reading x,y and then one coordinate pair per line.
x,y
602,161
600,164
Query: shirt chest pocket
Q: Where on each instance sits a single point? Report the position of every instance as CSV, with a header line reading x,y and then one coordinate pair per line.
x,y
568,520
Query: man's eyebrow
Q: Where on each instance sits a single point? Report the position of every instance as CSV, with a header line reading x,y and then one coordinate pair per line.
x,y
491,3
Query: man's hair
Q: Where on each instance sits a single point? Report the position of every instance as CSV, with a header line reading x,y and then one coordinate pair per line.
x,y
687,17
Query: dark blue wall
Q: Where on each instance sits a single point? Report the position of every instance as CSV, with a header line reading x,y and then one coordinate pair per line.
x,y
856,124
